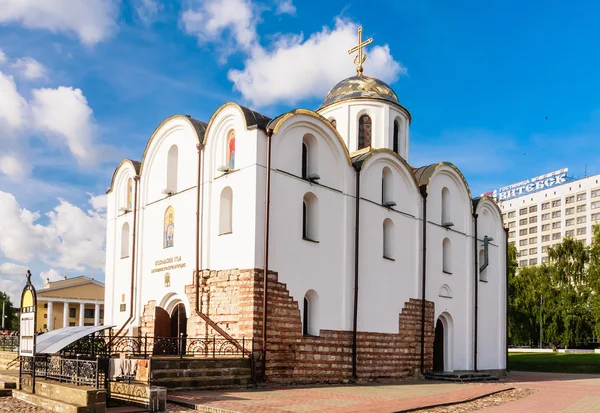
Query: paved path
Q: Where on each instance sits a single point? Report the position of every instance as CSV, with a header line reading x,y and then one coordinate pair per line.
x,y
564,393
372,398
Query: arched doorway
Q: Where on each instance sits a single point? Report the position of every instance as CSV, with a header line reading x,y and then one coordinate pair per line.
x,y
438,346
178,321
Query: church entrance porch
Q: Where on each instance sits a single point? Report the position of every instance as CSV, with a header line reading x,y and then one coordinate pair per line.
x,y
443,344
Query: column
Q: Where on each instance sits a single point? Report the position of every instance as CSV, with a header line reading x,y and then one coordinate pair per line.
x,y
81,313
65,314
50,315
97,315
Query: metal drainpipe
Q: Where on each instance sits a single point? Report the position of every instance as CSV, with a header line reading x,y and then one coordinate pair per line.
x,y
506,294
132,287
475,325
356,262
423,190
198,194
266,255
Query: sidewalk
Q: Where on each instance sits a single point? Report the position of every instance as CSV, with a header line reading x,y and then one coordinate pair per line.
x,y
368,398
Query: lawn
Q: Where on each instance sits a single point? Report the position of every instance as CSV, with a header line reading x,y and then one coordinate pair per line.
x,y
555,362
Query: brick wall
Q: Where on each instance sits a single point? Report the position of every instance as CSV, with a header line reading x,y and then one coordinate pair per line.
x,y
233,300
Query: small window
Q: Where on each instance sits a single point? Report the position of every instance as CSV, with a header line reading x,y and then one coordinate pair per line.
x,y
122,308
445,206
395,138
226,211
71,324
89,313
388,239
309,157
231,150
46,305
125,240
482,273
72,312
386,186
304,161
310,216
45,315
172,169
310,314
364,132
447,256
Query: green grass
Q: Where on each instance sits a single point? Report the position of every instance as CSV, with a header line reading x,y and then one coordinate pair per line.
x,y
555,362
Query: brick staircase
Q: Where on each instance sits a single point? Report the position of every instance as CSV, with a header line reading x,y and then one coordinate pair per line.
x,y
190,373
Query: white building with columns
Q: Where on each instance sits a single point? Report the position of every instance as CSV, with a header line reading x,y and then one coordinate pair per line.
x,y
77,301
355,235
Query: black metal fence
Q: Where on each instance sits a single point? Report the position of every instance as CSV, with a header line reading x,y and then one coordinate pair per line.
x,y
145,346
9,342
80,371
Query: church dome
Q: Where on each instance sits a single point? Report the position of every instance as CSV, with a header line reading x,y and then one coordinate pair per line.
x,y
360,87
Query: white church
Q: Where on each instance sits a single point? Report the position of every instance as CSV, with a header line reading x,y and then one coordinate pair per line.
x,y
376,269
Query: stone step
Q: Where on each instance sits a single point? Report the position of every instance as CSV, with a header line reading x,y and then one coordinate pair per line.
x,y
225,372
461,377
7,385
57,405
187,383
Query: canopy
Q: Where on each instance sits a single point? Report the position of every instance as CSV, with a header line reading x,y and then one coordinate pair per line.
x,y
55,340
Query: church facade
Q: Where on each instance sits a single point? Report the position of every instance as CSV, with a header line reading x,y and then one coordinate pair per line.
x,y
376,269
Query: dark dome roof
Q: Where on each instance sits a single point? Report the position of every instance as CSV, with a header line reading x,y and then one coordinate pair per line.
x,y
360,87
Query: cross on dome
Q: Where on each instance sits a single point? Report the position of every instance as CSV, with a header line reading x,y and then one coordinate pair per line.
x,y
361,57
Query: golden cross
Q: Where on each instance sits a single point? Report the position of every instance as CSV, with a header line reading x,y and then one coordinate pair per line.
x,y
361,57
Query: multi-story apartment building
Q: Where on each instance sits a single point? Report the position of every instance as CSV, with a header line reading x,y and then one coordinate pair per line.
x,y
538,220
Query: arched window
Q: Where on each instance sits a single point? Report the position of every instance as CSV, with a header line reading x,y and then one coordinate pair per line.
x,y
172,169
386,187
226,211
310,313
125,240
445,206
364,132
395,138
310,225
482,272
169,227
388,239
304,160
447,256
309,156
231,150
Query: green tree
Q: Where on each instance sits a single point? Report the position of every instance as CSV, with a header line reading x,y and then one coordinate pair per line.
x,y
11,321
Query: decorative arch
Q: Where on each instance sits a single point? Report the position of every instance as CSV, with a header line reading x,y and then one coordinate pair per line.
x,y
446,346
251,119
169,228
128,163
445,291
424,175
278,123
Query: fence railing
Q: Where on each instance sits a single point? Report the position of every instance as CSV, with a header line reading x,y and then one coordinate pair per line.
x,y
9,342
79,371
145,346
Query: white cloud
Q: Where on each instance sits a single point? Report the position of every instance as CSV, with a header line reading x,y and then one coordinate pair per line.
x,y
91,21
12,105
230,23
50,275
12,269
296,69
72,238
30,68
13,166
98,202
285,7
64,116
147,10
2,56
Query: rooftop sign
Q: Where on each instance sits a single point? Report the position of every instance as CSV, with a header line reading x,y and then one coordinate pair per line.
x,y
529,186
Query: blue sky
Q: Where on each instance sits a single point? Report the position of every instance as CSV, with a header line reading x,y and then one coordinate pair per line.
x,y
505,90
